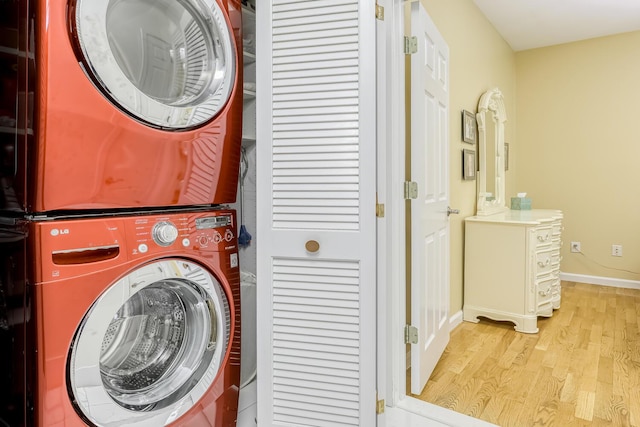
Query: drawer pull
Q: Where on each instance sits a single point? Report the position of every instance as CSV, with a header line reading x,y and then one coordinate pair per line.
x,y
545,293
543,239
544,264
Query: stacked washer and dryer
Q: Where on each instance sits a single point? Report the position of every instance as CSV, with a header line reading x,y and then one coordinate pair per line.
x,y
120,135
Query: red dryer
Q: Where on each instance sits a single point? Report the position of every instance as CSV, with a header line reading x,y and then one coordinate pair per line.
x,y
122,104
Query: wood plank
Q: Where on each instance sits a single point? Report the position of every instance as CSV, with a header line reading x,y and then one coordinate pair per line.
x,y
585,405
604,401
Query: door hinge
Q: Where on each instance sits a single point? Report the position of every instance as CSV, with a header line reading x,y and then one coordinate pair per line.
x,y
380,406
410,45
410,334
410,190
379,208
379,12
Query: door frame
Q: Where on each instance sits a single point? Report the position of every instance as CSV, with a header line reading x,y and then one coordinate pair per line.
x,y
392,293
391,174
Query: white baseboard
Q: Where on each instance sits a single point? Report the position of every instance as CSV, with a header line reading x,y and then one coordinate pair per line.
x,y
598,280
455,320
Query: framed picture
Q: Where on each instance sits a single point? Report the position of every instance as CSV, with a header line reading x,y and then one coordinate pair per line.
x,y
506,156
469,127
468,164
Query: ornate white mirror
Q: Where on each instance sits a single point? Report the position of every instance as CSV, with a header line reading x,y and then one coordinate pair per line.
x,y
491,117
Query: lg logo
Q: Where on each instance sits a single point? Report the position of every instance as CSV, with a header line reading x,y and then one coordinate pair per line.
x,y
56,231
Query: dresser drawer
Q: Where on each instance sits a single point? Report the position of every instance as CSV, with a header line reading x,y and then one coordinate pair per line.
x,y
547,261
545,309
544,236
544,290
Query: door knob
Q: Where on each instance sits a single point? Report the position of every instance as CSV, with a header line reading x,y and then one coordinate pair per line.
x,y
452,211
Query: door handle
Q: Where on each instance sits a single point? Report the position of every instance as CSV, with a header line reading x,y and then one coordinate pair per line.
x,y
452,211
312,246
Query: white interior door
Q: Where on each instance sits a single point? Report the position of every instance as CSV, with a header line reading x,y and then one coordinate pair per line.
x,y
429,219
316,236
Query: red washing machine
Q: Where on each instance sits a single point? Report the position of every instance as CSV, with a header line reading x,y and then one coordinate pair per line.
x,y
130,321
120,104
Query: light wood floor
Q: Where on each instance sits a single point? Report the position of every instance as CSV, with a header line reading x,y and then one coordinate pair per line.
x,y
581,369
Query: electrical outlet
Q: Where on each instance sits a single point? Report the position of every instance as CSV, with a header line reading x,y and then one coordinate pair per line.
x,y
616,250
575,247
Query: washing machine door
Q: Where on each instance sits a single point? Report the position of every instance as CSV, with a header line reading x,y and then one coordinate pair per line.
x,y
168,63
150,346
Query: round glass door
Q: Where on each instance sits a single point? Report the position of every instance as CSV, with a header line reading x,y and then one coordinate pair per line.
x,y
168,63
151,345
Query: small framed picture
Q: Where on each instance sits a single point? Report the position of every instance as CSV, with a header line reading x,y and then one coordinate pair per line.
x,y
469,127
468,165
506,156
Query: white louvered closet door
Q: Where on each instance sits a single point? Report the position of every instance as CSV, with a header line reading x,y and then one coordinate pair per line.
x,y
316,183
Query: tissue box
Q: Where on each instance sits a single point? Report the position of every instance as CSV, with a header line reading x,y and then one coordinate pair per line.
x,y
520,203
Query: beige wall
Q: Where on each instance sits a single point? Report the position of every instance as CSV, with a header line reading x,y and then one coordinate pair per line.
x,y
480,60
578,141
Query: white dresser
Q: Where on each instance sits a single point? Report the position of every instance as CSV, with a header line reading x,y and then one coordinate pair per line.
x,y
512,266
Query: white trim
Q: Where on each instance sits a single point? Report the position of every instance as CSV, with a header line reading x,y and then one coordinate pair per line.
x,y
264,102
417,413
599,280
397,417
383,291
395,208
455,320
368,221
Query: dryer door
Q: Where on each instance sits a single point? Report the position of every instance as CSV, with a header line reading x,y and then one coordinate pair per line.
x,y
168,63
150,346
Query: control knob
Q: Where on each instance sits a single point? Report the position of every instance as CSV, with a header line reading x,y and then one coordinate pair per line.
x,y
164,233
